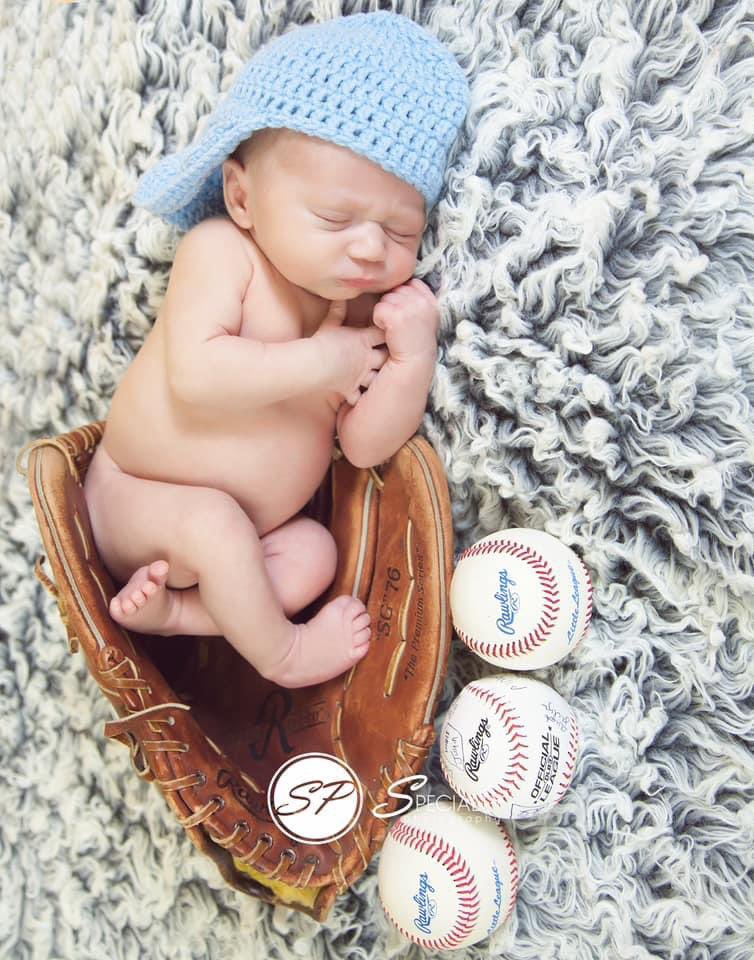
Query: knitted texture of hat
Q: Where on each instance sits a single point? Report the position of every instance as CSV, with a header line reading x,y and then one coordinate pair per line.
x,y
377,83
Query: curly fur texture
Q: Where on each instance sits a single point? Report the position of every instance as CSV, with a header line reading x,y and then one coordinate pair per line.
x,y
594,258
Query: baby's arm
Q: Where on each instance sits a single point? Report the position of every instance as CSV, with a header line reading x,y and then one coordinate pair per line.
x,y
391,410
208,365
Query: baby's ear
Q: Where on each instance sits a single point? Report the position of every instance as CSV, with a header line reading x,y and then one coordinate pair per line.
x,y
236,193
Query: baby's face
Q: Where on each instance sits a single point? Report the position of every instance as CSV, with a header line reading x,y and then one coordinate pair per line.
x,y
326,217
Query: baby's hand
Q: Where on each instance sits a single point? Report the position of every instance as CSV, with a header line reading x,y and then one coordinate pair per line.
x,y
410,317
351,355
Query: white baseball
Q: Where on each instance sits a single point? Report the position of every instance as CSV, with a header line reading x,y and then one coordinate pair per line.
x,y
447,877
508,746
520,599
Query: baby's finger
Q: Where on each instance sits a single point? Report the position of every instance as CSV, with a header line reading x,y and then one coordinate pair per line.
x,y
421,287
394,297
375,335
384,314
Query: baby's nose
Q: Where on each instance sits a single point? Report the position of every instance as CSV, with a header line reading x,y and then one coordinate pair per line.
x,y
368,243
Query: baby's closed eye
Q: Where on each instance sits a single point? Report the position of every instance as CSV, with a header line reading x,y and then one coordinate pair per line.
x,y
333,220
396,232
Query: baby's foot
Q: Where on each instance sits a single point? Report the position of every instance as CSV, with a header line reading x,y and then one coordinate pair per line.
x,y
145,604
326,646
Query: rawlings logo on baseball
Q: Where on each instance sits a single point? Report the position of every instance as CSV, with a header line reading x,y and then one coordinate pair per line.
x,y
520,599
447,878
479,752
509,603
530,741
427,906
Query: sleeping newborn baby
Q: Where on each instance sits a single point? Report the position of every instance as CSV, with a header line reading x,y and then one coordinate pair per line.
x,y
291,313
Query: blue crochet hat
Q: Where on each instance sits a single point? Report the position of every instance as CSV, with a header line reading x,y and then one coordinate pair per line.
x,y
377,83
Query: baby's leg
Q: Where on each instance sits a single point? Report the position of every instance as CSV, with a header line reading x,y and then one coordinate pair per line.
x,y
236,589
206,538
301,560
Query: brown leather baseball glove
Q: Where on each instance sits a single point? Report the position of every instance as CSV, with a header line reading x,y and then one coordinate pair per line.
x,y
203,725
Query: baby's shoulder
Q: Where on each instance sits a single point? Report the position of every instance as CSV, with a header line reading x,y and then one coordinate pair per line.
x,y
218,245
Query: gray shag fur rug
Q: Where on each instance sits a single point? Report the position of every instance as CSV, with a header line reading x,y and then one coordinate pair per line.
x,y
594,259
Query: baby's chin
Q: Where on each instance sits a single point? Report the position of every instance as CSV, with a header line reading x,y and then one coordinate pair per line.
x,y
336,290
341,289
348,292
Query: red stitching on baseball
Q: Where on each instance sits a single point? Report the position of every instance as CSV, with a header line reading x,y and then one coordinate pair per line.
x,y
548,584
515,771
514,874
460,872
574,739
588,613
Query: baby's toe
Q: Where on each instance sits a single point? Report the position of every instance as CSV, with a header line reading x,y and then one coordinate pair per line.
x,y
354,608
158,571
126,606
138,599
358,650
